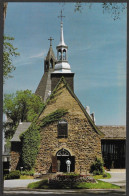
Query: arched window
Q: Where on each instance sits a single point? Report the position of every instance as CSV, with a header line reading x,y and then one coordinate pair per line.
x,y
62,129
64,54
63,152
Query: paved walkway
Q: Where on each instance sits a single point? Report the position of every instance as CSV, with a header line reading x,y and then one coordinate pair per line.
x,y
18,183
117,177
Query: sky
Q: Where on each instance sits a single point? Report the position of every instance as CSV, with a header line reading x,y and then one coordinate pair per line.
x,y
96,53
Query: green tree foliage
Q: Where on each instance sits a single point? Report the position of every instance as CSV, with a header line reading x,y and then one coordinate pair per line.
x,y
8,52
114,9
22,105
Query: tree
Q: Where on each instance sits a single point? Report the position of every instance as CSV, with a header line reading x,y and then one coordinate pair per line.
x,y
8,52
22,105
115,9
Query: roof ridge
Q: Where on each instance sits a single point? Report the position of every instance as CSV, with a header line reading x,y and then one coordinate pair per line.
x,y
62,79
83,109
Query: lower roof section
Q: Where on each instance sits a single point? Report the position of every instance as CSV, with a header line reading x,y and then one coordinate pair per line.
x,y
113,132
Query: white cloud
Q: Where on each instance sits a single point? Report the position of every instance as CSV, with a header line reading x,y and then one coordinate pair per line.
x,y
26,59
39,55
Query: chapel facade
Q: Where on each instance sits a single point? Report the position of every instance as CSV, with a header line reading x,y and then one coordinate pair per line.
x,y
73,135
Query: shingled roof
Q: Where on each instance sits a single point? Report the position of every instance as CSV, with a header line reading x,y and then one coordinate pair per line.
x,y
20,129
45,83
113,132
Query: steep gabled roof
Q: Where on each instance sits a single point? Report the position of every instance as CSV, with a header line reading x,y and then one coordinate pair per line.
x,y
44,86
55,91
20,129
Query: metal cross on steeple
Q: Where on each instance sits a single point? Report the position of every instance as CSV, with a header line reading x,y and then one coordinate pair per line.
x,y
50,40
61,16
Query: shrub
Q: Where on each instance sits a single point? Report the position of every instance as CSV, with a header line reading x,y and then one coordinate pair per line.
x,y
27,172
97,167
13,175
6,171
105,175
96,172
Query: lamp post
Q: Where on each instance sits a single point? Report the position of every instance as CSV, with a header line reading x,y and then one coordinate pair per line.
x,y
21,168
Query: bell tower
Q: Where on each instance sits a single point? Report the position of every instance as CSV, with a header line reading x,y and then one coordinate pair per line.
x,y
44,87
62,67
50,60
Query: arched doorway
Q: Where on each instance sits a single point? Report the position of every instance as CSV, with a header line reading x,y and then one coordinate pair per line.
x,y
62,156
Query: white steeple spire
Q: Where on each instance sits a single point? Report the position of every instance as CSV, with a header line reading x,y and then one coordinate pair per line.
x,y
62,65
62,43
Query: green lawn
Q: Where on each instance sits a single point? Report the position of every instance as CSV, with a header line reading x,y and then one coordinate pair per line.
x,y
99,185
102,177
43,184
22,177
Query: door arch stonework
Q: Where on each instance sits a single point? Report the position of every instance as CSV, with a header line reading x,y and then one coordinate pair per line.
x,y
62,155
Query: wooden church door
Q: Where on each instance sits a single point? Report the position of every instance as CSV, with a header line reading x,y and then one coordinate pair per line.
x,y
54,164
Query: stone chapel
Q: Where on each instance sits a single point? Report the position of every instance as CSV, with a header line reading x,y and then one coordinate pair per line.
x,y
74,134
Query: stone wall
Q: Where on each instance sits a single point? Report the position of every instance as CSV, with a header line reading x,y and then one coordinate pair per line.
x,y
15,155
82,142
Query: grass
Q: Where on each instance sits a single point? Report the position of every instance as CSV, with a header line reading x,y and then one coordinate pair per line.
x,y
43,184
96,177
22,177
99,185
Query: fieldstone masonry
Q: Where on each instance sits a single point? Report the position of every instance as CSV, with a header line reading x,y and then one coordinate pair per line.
x,y
15,155
82,142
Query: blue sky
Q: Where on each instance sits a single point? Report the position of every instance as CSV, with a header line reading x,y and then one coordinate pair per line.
x,y
96,53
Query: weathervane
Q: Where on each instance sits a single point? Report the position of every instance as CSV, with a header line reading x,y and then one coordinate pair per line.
x,y
61,16
50,40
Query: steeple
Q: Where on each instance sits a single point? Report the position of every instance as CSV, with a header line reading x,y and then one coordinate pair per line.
x,y
50,60
62,65
44,87
62,43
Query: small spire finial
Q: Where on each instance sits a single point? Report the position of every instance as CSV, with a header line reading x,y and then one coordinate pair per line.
x,y
50,40
61,16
